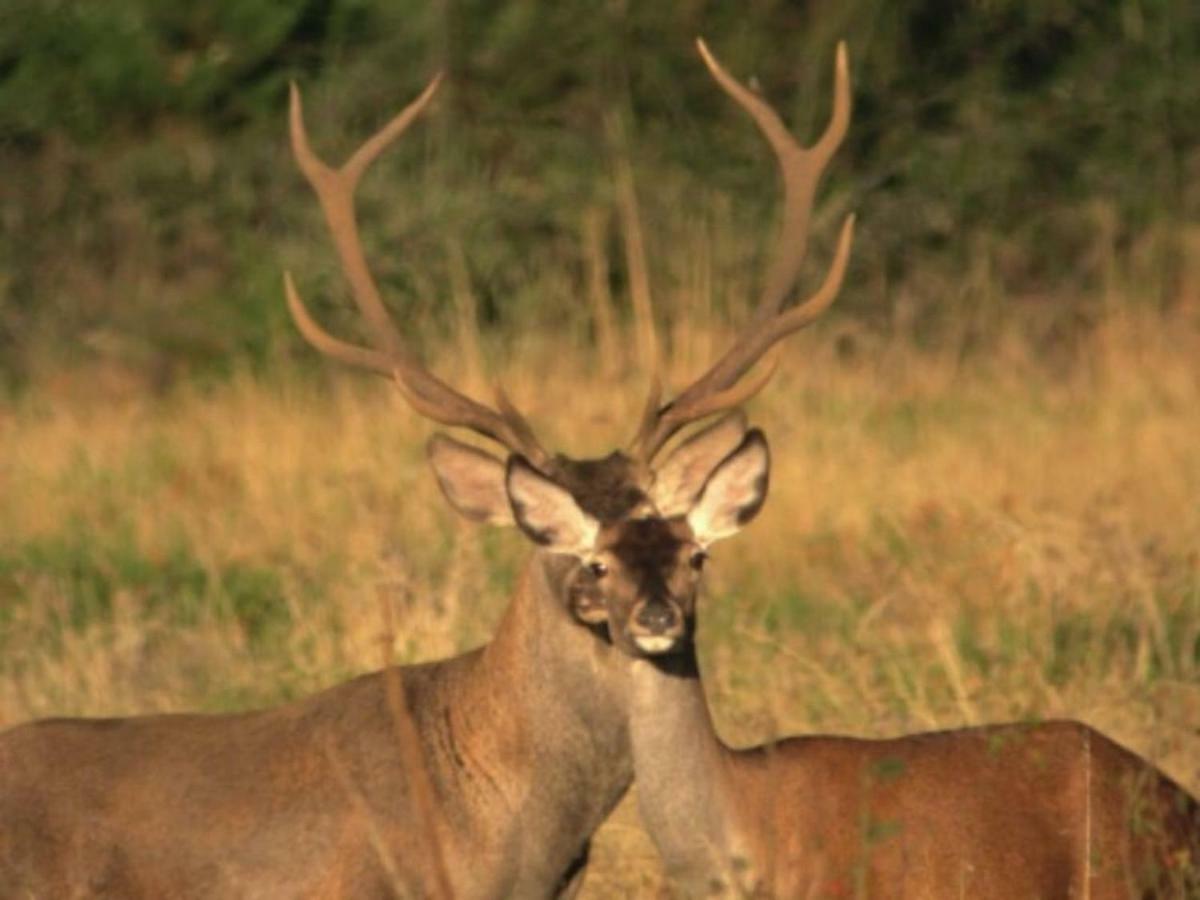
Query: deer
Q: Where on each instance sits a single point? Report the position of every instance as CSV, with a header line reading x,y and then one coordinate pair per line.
x,y
1038,809
480,776
1046,809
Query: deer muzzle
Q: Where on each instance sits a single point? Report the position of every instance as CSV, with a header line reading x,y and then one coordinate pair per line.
x,y
656,626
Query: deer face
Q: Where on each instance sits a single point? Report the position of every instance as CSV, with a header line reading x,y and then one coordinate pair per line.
x,y
639,551
644,574
648,570
561,505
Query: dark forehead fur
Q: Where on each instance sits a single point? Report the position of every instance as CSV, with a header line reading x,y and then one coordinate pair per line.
x,y
607,489
648,544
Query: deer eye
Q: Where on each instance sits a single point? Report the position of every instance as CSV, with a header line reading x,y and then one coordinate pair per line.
x,y
698,559
597,568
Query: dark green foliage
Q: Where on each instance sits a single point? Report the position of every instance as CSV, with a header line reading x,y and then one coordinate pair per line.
x,y
86,69
1001,147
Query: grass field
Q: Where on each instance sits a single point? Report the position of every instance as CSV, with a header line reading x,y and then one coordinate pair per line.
x,y
950,539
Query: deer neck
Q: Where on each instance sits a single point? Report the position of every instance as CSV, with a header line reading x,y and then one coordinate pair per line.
x,y
555,697
682,772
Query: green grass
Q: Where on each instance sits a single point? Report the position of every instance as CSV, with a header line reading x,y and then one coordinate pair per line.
x,y
944,544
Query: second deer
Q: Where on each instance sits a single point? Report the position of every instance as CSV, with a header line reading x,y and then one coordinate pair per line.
x,y
1047,810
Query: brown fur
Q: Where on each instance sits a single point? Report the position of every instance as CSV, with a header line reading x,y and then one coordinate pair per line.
x,y
1054,809
1045,810
1051,809
524,743
608,489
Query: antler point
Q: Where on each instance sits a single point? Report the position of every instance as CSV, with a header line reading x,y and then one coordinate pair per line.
x,y
842,66
289,289
848,227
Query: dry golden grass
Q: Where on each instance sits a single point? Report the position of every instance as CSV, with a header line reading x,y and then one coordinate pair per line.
x,y
946,543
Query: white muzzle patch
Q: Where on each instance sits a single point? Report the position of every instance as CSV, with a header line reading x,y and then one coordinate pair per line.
x,y
653,643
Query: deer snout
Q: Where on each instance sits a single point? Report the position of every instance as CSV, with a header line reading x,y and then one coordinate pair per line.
x,y
656,626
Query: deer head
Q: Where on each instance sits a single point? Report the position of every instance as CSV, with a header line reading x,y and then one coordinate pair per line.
x,y
641,574
638,528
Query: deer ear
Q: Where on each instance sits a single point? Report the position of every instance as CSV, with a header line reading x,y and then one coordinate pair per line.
x,y
473,481
679,480
547,512
734,492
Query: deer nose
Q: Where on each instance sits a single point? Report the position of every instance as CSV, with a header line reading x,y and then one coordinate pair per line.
x,y
657,618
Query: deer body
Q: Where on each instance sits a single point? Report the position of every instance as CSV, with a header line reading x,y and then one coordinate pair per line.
x,y
1053,810
524,744
481,776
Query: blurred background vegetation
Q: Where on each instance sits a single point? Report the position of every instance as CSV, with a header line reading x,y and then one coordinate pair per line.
x,y
1005,154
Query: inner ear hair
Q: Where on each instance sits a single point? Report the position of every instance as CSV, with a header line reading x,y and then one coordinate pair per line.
x,y
734,492
546,511
681,477
471,479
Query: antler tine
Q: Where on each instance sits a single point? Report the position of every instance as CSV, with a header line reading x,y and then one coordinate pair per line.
x,y
677,416
425,392
518,427
459,411
335,191
801,168
343,351
718,389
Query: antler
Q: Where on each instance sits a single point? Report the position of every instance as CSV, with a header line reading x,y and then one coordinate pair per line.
x,y
721,388
425,392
